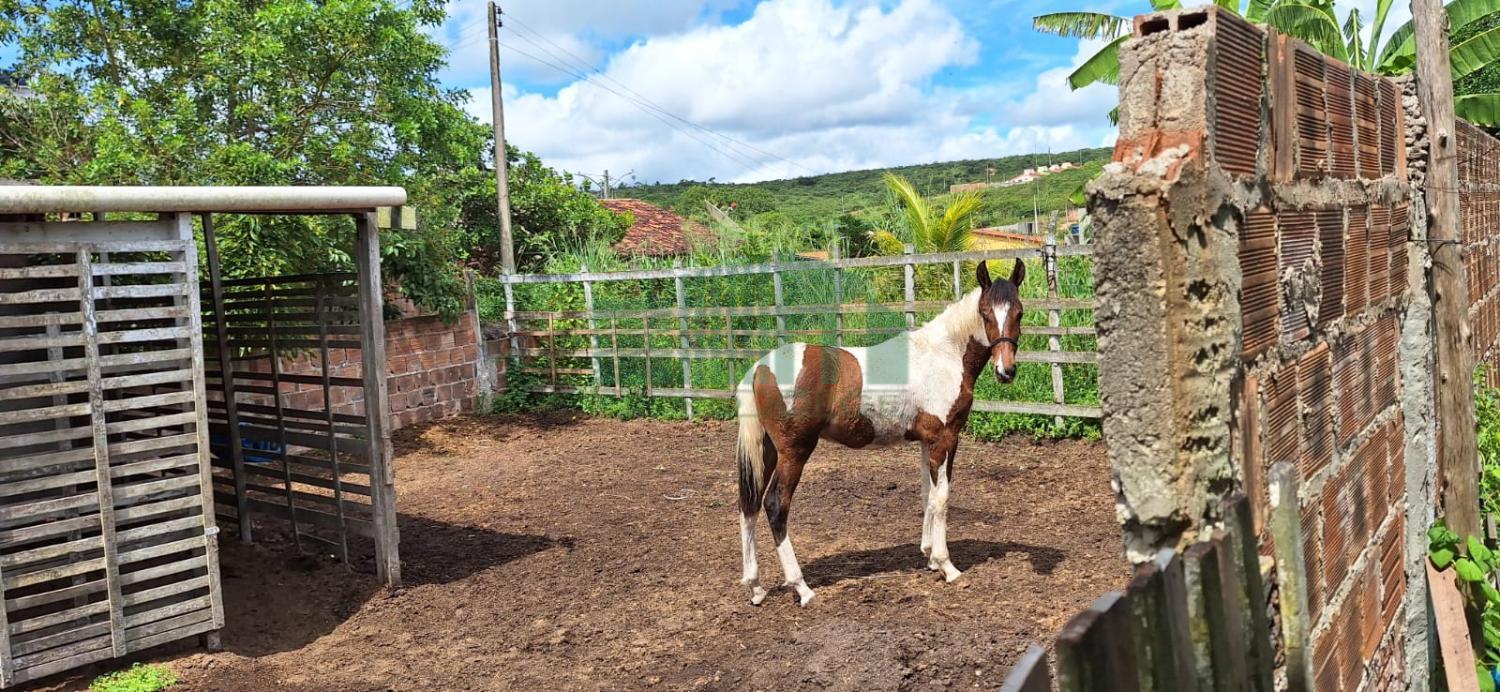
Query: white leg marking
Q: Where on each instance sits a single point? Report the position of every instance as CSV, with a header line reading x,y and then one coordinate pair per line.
x,y
939,559
793,570
751,576
926,504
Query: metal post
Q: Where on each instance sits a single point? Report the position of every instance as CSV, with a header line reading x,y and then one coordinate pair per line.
x,y
682,326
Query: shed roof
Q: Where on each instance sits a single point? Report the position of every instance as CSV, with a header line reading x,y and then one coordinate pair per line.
x,y
656,231
54,199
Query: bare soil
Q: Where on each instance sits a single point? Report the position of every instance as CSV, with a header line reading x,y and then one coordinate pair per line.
x,y
574,553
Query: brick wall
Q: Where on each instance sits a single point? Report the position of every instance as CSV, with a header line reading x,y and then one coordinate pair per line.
x,y
1252,236
1479,214
433,371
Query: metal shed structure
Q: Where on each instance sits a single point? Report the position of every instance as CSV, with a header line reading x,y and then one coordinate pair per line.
x,y
127,435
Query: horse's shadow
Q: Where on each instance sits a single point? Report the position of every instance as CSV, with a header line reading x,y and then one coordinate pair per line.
x,y
908,557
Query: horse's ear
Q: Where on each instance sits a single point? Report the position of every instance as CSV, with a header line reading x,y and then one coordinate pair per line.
x,y
1018,274
984,276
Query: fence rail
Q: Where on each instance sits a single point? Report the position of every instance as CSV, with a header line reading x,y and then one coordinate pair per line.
x,y
572,351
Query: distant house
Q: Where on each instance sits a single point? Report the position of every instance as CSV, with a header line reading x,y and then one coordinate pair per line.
x,y
656,232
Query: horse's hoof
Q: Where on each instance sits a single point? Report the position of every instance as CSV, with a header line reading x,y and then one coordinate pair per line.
x,y
951,573
757,595
804,599
934,566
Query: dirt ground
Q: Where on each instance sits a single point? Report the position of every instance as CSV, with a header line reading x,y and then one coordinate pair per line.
x,y
576,553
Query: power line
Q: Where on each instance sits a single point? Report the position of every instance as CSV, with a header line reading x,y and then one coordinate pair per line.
x,y
581,62
742,160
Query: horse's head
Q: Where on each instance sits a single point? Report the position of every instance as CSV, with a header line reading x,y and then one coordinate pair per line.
x,y
1000,309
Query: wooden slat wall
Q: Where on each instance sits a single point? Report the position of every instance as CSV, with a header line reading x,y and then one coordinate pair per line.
x,y
105,545
319,482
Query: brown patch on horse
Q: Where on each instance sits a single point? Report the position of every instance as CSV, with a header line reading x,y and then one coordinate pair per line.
x,y
825,402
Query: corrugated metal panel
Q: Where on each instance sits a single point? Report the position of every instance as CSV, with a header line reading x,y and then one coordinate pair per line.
x,y
1258,304
1238,85
1340,103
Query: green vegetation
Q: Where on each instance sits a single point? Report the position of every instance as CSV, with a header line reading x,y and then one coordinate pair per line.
x,y
925,228
138,678
818,198
1316,22
1476,567
278,92
808,287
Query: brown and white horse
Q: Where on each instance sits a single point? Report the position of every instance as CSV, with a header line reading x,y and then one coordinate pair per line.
x,y
918,386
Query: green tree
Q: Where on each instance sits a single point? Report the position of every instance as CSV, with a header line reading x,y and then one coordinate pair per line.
x,y
924,226
741,203
273,92
1317,23
548,212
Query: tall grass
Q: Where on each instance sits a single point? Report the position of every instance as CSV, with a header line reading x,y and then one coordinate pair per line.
x,y
812,286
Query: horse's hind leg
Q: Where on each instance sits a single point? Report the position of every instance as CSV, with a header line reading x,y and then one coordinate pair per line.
x,y
778,505
926,506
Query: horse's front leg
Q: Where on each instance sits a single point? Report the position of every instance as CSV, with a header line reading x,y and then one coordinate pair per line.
x,y
940,469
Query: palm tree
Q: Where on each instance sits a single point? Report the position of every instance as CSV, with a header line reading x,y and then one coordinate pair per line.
x,y
1316,22
925,228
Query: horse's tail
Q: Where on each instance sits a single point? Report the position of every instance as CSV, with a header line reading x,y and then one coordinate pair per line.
x,y
754,451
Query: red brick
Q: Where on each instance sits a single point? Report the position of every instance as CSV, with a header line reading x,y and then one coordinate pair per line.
x,y
1312,550
1368,591
1315,378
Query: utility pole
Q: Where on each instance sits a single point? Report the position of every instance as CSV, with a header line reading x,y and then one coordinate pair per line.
x,y
606,183
502,182
1458,460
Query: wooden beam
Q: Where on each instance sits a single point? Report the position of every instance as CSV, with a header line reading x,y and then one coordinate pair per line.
x,y
1458,455
377,401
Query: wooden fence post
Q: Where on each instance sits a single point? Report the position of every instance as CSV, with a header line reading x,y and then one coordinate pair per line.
x,y
1029,674
377,401
780,298
911,288
510,314
588,305
682,326
958,280
838,297
1291,576
1054,320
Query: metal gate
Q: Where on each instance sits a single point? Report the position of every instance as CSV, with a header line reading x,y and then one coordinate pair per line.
x,y
106,521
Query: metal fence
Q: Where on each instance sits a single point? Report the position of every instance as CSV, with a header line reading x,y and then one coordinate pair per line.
x,y
663,347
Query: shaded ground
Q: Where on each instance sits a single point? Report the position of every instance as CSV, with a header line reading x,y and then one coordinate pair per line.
x,y
587,554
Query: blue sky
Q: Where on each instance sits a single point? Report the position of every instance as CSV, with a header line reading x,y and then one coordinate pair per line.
x,y
783,87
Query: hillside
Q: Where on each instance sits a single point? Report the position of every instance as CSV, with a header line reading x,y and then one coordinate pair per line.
x,y
821,197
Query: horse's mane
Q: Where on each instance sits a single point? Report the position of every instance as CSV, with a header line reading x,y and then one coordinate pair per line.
x,y
958,322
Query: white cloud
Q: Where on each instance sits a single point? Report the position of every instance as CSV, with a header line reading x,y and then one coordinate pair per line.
x,y
828,87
